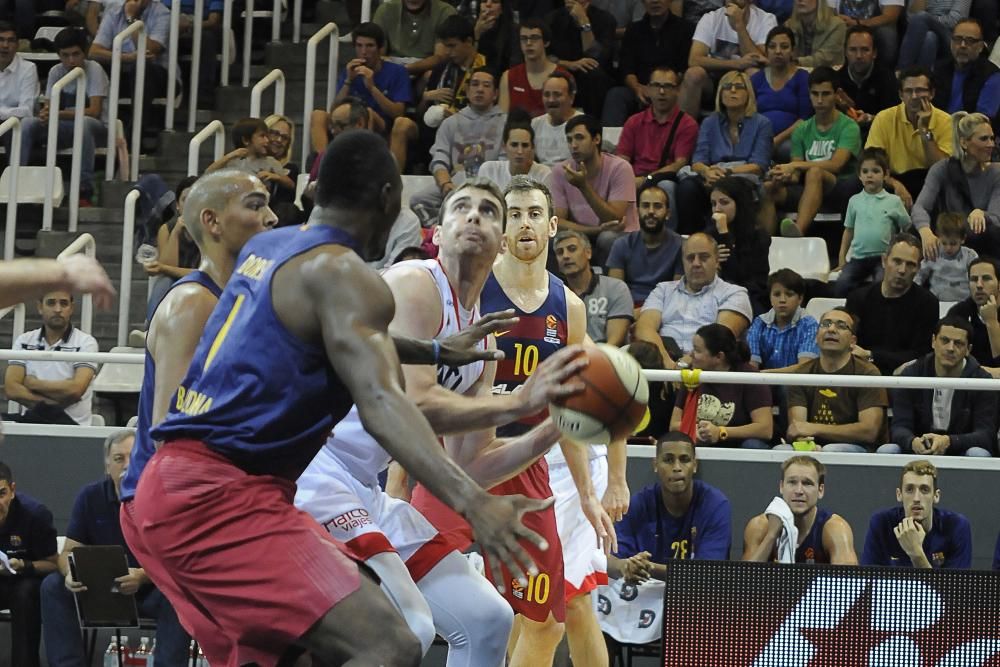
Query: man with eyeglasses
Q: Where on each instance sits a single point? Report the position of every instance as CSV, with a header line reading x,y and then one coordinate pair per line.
x,y
915,134
968,80
837,419
957,422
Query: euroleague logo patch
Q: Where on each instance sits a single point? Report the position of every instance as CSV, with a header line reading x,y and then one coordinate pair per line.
x,y
551,329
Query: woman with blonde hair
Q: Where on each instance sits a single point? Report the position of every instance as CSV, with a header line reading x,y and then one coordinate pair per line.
x,y
819,34
281,135
733,141
967,183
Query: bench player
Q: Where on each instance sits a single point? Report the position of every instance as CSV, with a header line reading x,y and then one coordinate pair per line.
x,y
438,297
299,335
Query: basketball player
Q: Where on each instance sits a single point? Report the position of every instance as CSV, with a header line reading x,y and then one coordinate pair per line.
x,y
299,335
551,317
24,279
824,537
340,487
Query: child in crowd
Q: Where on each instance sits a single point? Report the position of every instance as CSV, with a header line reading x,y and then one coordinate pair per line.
x,y
785,335
947,277
252,154
873,216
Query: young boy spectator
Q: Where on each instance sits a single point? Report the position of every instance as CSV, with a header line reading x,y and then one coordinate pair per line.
x,y
946,276
877,215
253,153
917,533
785,335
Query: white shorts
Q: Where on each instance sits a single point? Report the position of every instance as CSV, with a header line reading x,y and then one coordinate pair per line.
x,y
585,563
366,519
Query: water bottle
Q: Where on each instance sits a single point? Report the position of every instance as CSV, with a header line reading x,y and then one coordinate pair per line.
x,y
146,254
202,660
40,103
138,659
125,650
111,654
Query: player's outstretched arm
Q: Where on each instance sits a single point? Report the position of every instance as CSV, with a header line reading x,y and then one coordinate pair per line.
x,y
26,279
353,321
457,350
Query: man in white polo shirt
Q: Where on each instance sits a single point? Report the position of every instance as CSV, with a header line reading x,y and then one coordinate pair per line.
x,y
53,392
675,309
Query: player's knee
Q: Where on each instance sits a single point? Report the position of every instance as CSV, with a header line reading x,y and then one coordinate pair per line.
x,y
548,632
493,621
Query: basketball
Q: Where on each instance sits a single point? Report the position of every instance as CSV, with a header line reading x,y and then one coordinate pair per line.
x,y
613,403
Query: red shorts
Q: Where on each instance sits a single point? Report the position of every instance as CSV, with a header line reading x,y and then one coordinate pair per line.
x,y
233,555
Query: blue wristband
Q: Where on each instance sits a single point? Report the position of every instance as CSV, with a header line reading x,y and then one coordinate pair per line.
x,y
437,350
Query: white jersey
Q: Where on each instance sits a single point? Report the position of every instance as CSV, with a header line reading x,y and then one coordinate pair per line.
x,y
350,444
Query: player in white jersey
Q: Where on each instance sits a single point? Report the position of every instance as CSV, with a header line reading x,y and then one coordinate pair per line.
x,y
434,586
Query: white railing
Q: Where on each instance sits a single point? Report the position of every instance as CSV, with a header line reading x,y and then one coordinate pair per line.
x,y
274,78
366,11
86,244
172,63
248,34
137,97
297,22
80,77
276,22
227,40
695,377
12,125
125,289
215,128
332,32
99,357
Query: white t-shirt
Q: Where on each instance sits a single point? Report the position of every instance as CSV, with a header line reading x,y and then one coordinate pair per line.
x,y
97,85
551,147
498,171
714,31
78,341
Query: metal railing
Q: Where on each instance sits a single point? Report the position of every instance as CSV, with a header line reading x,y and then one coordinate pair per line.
x,y
332,32
99,357
175,29
86,244
78,75
12,125
248,34
227,40
274,78
215,128
695,377
125,289
137,97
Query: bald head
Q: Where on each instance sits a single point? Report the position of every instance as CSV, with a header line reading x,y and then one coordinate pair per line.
x,y
212,192
700,256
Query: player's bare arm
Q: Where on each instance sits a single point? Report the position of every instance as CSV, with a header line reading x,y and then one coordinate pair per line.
x,y
459,349
418,315
25,279
173,337
838,541
760,537
616,498
352,323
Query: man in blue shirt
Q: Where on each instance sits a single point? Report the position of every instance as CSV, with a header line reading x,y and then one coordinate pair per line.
x,y
677,517
917,533
382,85
28,538
94,521
967,81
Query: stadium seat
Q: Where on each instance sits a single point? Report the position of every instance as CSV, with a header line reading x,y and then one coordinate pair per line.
x,y
413,184
609,137
806,256
31,186
944,307
120,378
819,305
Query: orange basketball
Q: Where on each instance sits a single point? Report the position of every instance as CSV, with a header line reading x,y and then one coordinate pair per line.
x,y
613,403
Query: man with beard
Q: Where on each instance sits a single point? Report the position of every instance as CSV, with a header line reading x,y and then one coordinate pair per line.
x,y
980,311
651,255
917,533
607,300
865,85
822,536
896,316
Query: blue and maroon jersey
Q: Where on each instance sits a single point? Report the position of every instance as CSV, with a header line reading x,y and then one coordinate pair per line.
x,y
811,550
144,446
255,392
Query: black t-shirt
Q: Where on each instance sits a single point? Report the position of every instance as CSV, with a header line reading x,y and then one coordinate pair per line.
x,y
894,330
28,532
644,47
876,93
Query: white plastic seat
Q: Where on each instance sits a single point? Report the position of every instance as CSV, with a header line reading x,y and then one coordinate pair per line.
x,y
120,378
944,307
819,305
97,420
412,184
806,256
31,186
610,137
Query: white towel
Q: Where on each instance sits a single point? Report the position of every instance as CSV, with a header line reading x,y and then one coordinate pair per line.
x,y
788,540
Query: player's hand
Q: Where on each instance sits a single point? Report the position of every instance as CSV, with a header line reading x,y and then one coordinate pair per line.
x,y
616,499
84,274
460,349
497,524
929,241
550,381
602,523
130,583
910,534
72,585
988,311
977,221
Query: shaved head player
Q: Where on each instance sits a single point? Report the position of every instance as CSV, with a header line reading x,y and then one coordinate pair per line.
x,y
299,336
